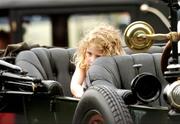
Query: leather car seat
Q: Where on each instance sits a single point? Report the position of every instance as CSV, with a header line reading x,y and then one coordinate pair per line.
x,y
48,64
56,64
118,71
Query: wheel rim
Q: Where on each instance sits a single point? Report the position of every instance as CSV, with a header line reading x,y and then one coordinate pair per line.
x,y
94,117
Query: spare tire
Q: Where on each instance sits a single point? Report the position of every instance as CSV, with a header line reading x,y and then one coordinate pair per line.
x,y
101,105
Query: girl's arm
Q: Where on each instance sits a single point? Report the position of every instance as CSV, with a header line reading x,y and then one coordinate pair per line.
x,y
77,82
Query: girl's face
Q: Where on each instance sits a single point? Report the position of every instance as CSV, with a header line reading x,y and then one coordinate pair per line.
x,y
91,54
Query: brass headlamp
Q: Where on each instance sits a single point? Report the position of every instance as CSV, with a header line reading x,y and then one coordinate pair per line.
x,y
132,32
139,36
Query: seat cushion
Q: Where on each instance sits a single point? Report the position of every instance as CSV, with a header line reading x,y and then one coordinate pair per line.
x,y
119,71
48,64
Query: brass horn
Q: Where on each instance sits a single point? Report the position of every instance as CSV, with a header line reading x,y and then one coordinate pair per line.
x,y
139,36
132,32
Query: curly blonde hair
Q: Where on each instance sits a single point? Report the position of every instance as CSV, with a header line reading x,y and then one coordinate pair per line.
x,y
104,38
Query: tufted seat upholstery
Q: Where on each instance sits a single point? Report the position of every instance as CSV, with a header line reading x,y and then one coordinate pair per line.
x,y
152,49
55,64
48,64
118,71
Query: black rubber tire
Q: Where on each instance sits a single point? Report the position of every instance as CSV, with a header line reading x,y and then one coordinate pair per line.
x,y
104,102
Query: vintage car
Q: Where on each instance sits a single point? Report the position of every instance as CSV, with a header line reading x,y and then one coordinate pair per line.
x,y
137,88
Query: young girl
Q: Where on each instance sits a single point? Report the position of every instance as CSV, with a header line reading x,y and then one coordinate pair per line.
x,y
103,40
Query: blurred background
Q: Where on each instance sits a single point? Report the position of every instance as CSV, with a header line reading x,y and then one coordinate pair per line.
x,y
62,23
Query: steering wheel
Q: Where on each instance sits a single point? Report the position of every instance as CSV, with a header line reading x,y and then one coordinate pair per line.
x,y
164,60
165,56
